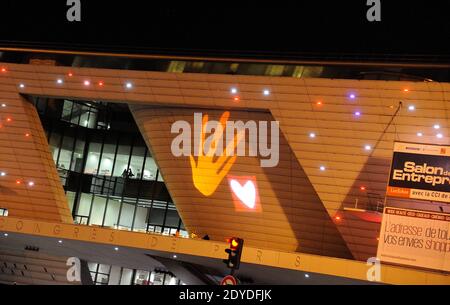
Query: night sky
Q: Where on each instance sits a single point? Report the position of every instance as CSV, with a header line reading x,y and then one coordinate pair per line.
x,y
288,29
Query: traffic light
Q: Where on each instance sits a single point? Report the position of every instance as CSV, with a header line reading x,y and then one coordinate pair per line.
x,y
234,252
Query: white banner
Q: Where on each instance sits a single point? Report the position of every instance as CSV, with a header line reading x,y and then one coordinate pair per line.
x,y
415,238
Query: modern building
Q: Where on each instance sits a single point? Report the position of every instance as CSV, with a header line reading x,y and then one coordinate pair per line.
x,y
100,160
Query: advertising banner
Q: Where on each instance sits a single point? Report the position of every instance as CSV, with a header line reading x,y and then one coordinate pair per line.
x,y
415,238
420,171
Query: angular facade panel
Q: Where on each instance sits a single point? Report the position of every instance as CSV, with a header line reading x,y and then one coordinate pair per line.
x,y
30,186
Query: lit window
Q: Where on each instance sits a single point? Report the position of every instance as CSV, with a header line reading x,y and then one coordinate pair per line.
x,y
3,212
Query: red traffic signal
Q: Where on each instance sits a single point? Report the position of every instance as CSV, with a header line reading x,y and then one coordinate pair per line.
x,y
234,252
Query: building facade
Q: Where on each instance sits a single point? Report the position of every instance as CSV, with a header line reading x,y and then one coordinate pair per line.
x,y
94,146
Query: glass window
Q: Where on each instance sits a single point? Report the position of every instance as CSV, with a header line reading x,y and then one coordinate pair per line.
x,y
65,156
127,276
126,216
142,277
275,70
140,221
85,205
172,218
67,110
98,210
54,143
176,66
93,156
76,112
137,161
109,150
88,117
70,199
77,162
112,213
150,168
157,216
123,156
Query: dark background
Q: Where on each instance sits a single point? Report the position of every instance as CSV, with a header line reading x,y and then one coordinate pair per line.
x,y
279,29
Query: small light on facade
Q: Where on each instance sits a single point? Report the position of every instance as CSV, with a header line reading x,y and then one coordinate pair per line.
x,y
307,275
59,81
405,90
3,70
439,135
319,103
362,188
312,135
101,83
174,256
60,241
236,98
437,126
2,174
337,217
411,108
266,92
116,248
70,74
21,86
87,83
352,96
8,120
233,90
31,183
129,85
3,105
27,135
419,134
6,234
18,182
357,113
322,168
368,147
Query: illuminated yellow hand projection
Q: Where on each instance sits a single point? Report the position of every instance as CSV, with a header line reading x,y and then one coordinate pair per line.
x,y
207,172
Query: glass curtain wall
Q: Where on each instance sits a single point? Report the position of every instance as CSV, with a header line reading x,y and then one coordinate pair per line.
x,y
109,175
